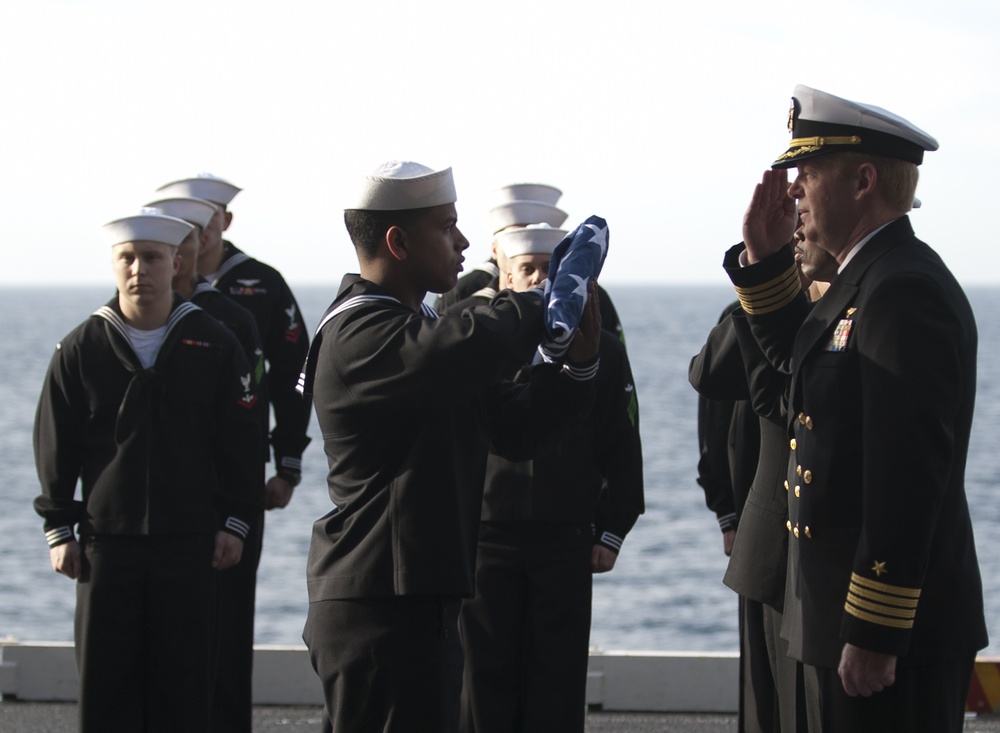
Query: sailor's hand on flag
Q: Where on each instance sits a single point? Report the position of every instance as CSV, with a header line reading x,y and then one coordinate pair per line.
x,y
583,347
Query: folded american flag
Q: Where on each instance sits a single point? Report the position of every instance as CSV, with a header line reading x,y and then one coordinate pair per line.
x,y
576,261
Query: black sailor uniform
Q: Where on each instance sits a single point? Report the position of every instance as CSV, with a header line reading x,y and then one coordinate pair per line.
x,y
726,461
880,405
263,291
408,404
526,631
260,289
732,366
166,457
232,708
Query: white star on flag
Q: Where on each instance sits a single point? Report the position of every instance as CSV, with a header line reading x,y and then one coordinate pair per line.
x,y
600,237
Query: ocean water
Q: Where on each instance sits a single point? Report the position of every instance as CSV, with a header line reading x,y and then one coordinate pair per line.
x,y
665,592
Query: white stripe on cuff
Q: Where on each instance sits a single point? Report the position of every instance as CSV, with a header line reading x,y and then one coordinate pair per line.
x,y
238,526
58,535
582,374
612,540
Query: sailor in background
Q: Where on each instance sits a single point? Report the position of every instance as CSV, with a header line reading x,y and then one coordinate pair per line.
x,y
236,584
260,289
194,287
729,439
408,403
514,206
886,607
724,471
548,525
482,283
151,406
731,366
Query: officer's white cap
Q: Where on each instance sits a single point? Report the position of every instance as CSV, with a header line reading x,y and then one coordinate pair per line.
x,y
821,123
191,210
203,186
536,239
522,213
402,184
525,192
149,225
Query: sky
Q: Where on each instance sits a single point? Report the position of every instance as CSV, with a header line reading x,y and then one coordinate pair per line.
x,y
659,117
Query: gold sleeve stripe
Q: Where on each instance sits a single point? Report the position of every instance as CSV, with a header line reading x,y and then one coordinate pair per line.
x,y
772,295
854,601
880,620
883,598
896,590
772,284
774,301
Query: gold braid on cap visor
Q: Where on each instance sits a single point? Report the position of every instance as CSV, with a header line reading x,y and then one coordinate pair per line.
x,y
812,144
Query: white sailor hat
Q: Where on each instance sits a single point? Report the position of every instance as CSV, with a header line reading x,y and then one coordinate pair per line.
x,y
149,225
525,192
192,210
203,186
522,213
821,123
535,239
402,184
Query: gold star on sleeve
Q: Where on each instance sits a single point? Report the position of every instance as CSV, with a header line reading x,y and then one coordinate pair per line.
x,y
879,569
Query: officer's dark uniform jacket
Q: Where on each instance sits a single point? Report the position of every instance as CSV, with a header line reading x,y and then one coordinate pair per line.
x,y
565,485
881,408
408,403
165,450
262,290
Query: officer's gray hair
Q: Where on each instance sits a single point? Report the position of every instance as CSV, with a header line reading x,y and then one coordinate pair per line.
x,y
897,179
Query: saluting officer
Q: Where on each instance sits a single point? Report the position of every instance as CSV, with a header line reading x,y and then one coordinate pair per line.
x,y
514,205
886,609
